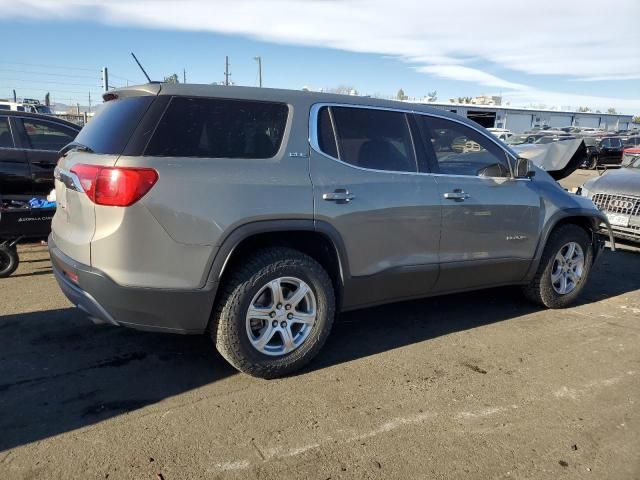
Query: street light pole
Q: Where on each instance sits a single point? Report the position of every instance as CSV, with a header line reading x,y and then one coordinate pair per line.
x,y
259,60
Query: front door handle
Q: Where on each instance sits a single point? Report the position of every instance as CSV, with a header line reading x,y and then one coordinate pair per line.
x,y
339,195
457,194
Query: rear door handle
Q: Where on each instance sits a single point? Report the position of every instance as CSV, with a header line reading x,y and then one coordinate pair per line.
x,y
340,195
456,195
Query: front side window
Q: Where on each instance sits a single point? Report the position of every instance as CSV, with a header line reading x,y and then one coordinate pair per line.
x,y
372,139
461,150
219,128
6,141
47,135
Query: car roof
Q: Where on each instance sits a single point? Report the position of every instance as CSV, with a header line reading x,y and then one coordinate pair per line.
x,y
41,116
277,95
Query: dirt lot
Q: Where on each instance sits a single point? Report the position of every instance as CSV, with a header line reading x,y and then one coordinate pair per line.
x,y
476,386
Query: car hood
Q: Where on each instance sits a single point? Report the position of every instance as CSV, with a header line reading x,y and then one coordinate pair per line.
x,y
625,181
559,159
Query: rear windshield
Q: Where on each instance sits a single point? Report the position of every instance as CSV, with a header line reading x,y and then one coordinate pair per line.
x,y
219,128
110,129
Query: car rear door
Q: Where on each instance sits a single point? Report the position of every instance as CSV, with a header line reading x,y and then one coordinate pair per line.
x,y
490,221
367,187
42,140
15,176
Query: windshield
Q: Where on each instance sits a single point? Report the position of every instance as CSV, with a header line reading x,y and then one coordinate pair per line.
x,y
43,109
631,160
517,139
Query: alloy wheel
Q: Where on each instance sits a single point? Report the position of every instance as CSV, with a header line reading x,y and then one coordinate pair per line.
x,y
281,316
568,268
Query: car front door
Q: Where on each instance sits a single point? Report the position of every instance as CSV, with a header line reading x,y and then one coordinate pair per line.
x,y
42,140
15,176
367,188
490,220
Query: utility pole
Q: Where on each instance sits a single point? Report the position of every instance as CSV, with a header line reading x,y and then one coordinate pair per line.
x,y
89,101
184,75
259,60
105,79
226,70
15,97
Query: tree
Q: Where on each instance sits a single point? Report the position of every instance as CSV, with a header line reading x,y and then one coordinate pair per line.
x,y
611,110
636,119
432,96
343,90
400,95
172,79
584,109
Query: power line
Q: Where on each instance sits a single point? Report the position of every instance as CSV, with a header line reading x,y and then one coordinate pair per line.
x,y
67,67
5,79
49,74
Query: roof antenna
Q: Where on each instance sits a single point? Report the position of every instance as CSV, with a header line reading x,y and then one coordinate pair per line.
x,y
145,73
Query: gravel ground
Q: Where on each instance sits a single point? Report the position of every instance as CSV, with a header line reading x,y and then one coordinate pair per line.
x,y
472,386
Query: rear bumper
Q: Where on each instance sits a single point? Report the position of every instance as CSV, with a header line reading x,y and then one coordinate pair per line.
x,y
104,301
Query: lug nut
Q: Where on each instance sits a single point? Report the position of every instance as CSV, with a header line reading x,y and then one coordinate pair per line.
x,y
290,316
274,324
287,307
279,306
283,324
272,314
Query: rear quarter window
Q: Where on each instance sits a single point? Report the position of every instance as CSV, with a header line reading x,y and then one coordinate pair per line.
x,y
111,128
219,128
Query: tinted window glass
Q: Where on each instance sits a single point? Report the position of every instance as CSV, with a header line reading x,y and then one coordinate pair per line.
x,y
605,143
47,135
5,134
218,128
326,136
616,143
460,150
5,107
375,139
112,126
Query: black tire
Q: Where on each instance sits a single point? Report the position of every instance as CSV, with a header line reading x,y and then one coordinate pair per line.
x,y
593,162
541,290
9,260
228,325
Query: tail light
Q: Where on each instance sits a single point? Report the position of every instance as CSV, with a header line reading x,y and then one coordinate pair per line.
x,y
115,186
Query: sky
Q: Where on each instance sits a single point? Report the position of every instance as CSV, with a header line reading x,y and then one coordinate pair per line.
x,y
561,54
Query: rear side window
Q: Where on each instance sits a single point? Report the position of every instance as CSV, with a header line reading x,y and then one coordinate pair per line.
x,y
374,139
326,135
112,126
5,134
219,128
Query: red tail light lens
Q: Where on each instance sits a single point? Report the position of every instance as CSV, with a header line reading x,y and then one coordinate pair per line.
x,y
115,186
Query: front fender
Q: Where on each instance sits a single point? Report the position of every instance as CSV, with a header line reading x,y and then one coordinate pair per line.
x,y
595,217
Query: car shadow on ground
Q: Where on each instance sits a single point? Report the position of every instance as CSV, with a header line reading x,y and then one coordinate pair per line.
x,y
59,373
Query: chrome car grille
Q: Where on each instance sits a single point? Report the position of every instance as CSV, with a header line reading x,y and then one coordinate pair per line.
x,y
623,204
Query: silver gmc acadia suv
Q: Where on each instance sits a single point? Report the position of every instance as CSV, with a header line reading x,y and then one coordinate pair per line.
x,y
255,215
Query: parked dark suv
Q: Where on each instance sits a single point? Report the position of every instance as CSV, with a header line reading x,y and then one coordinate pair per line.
x,y
255,215
603,151
29,146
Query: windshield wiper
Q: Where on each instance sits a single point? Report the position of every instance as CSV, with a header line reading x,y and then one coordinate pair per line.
x,y
74,147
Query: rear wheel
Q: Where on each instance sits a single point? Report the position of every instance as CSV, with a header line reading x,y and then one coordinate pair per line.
x,y
564,268
275,313
593,162
9,260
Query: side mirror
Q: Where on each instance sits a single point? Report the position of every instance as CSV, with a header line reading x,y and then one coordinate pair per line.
x,y
524,168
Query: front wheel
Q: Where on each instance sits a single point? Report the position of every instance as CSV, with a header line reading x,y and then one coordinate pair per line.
x,y
9,260
275,313
564,268
593,162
